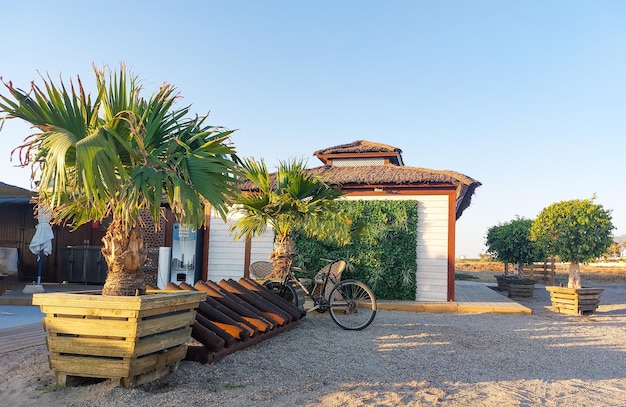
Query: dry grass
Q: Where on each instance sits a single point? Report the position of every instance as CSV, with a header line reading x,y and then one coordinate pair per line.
x,y
609,274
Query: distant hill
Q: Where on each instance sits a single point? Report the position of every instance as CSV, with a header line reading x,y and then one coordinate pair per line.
x,y
619,239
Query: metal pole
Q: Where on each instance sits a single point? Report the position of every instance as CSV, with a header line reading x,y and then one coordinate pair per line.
x,y
39,266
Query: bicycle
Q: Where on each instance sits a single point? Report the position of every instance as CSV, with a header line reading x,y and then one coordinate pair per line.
x,y
351,303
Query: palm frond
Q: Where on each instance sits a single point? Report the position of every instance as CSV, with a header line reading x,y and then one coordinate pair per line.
x,y
294,199
121,153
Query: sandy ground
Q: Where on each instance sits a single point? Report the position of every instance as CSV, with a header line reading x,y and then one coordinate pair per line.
x,y
402,359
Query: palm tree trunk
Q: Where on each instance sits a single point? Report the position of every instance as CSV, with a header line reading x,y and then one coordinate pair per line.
x,y
283,246
124,253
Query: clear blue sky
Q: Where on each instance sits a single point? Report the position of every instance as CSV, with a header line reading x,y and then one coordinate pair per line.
x,y
527,97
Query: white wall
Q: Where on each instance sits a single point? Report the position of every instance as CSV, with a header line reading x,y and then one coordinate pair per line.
x,y
432,248
227,255
432,244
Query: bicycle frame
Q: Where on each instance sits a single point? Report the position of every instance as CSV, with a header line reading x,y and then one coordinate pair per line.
x,y
351,303
318,302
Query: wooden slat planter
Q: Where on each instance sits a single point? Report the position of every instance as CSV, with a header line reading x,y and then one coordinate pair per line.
x,y
521,288
130,340
574,301
504,280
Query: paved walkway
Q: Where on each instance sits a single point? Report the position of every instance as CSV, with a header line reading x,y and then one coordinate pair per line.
x,y
21,337
16,315
16,296
470,297
20,322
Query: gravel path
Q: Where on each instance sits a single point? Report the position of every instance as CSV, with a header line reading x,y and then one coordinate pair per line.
x,y
402,359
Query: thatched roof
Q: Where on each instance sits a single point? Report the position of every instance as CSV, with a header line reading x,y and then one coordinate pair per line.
x,y
393,176
361,148
359,173
15,195
388,175
400,176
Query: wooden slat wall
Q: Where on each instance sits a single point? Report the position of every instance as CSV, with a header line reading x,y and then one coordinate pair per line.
x,y
17,228
226,256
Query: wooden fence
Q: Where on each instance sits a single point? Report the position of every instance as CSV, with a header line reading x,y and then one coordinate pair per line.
x,y
540,271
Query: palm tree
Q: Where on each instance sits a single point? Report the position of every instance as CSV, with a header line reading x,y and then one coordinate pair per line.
x,y
288,199
118,156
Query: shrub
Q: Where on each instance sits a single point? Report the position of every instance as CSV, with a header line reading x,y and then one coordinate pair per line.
x,y
510,243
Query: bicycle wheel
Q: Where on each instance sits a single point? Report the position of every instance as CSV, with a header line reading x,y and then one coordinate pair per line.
x,y
352,305
282,290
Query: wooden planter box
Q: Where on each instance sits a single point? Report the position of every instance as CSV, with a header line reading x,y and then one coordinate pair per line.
x,y
575,301
504,280
521,288
130,340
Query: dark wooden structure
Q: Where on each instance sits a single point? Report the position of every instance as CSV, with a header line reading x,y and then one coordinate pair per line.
x,y
540,271
521,288
17,228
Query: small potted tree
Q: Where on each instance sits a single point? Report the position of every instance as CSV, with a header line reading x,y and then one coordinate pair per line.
x,y
115,157
510,243
576,231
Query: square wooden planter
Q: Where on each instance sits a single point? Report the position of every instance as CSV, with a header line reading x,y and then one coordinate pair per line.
x,y
521,288
504,280
130,340
574,301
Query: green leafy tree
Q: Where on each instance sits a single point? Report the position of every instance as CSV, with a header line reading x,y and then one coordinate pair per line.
x,y
118,155
577,231
285,200
510,243
614,251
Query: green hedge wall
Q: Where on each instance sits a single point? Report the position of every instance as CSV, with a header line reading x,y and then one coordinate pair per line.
x,y
382,252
